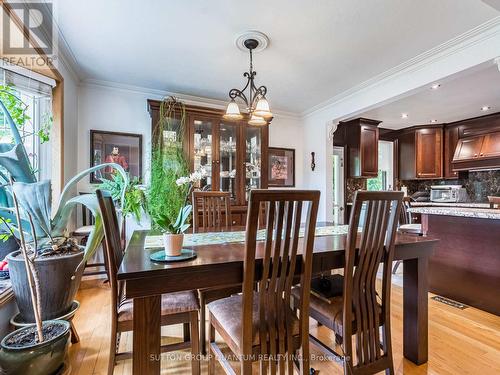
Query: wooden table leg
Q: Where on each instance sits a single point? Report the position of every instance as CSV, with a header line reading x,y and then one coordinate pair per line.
x,y
415,310
147,335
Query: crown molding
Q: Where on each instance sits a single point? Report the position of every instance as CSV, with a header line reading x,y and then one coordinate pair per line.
x,y
475,36
159,94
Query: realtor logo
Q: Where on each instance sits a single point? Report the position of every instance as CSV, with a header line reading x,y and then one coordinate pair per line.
x,y
18,44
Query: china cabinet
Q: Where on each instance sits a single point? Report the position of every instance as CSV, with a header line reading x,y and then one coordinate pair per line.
x,y
233,155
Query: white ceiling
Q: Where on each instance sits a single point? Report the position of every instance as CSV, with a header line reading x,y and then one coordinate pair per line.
x,y
317,49
459,97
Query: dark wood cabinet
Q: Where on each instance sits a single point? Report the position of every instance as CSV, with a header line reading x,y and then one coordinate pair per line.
x,y
491,146
429,153
437,151
368,145
420,153
233,154
468,148
360,137
478,152
450,144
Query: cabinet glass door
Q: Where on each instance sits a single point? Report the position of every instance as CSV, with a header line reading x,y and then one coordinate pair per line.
x,y
227,158
171,131
253,140
203,152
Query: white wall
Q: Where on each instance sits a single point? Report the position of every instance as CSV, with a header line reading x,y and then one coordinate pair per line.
x,y
315,139
70,122
111,109
104,107
286,131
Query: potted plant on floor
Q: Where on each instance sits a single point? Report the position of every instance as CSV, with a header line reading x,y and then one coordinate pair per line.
x,y
60,260
40,348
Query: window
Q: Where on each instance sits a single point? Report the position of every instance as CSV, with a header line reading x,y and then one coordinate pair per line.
x,y
29,102
384,180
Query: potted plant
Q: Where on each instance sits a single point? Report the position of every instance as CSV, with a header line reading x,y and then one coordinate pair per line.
x,y
134,199
169,188
9,101
39,348
59,259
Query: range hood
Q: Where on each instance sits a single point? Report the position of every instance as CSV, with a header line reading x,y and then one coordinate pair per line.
x,y
480,152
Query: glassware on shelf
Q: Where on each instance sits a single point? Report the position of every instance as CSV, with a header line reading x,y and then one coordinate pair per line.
x,y
227,156
202,150
253,141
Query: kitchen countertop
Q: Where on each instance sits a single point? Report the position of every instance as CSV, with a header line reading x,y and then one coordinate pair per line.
x,y
438,204
472,212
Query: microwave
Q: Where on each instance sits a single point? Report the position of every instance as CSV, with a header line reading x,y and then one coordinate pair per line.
x,y
448,194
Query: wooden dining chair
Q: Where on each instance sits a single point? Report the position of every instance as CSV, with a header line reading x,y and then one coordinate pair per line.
x,y
407,226
260,325
214,207
359,310
176,308
215,210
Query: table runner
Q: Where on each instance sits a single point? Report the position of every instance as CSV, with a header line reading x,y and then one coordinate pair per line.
x,y
214,238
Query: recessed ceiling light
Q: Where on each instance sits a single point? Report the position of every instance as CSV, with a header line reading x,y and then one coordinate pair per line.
x,y
435,86
485,108
433,121
404,115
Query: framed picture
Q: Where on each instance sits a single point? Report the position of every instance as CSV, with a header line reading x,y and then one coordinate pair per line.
x,y
281,167
124,149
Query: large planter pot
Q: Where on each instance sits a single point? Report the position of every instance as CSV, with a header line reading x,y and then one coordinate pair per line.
x,y
173,244
35,359
60,284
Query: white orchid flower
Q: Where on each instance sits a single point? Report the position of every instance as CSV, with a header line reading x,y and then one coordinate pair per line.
x,y
182,181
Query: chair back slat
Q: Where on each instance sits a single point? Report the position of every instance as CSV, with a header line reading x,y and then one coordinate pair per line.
x,y
405,216
377,214
113,248
215,210
281,262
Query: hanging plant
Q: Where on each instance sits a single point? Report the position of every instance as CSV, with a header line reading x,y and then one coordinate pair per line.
x,y
165,197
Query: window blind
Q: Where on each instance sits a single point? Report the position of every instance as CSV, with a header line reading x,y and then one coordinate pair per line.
x,y
25,83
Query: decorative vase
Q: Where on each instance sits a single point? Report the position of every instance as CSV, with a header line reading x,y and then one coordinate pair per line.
x,y
43,358
173,244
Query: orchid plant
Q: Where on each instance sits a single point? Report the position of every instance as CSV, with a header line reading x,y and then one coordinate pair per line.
x,y
181,223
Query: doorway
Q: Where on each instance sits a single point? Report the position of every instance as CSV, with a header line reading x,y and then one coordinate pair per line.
x,y
338,185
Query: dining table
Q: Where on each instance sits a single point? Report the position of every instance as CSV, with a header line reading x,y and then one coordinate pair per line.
x,y
219,262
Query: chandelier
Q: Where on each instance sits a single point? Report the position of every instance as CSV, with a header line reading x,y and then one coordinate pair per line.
x,y
255,101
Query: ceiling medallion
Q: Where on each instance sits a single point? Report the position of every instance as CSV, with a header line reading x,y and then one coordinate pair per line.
x,y
255,100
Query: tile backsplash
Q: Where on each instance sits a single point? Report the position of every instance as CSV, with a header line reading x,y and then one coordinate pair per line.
x,y
353,184
478,184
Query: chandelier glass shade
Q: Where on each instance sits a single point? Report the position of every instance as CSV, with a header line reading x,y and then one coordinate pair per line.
x,y
256,103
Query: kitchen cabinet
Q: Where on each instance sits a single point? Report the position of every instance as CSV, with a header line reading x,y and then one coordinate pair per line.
x,y
360,138
429,153
232,154
468,148
491,146
420,153
478,152
450,144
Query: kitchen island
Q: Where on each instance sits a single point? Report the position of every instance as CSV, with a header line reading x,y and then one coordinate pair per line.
x,y
466,263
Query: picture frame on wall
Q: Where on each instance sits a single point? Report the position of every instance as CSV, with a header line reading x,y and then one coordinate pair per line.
x,y
281,167
124,149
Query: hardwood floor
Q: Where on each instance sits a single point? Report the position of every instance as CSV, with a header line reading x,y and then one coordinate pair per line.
x,y
460,341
